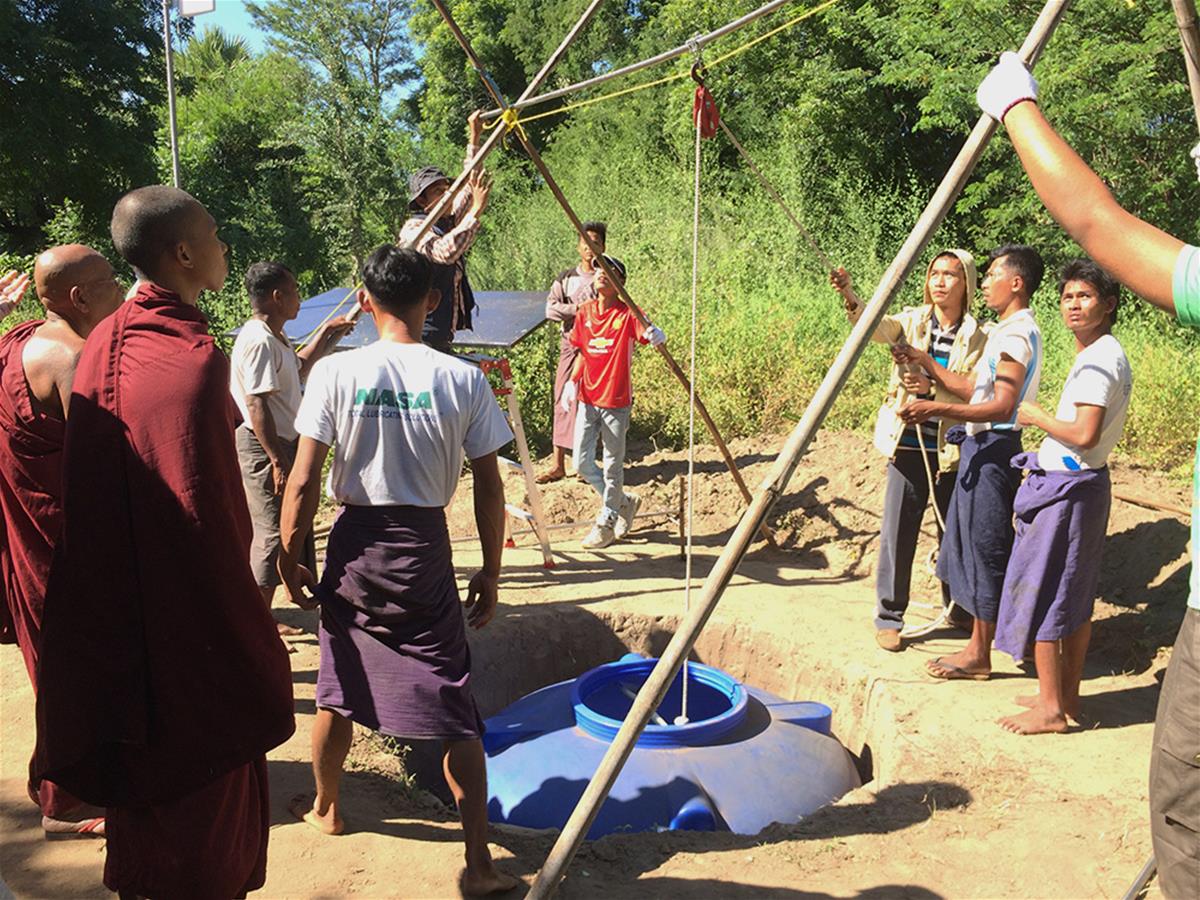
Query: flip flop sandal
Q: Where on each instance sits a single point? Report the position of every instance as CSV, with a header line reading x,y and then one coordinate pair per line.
x,y
956,673
64,828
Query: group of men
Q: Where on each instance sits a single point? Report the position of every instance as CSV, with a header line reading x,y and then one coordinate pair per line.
x,y
1021,556
961,397
153,497
160,678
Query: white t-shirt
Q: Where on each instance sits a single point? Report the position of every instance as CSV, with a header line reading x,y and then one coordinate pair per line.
x,y
400,418
1018,338
262,364
1101,376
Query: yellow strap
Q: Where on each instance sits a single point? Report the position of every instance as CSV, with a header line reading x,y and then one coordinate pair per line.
x,y
791,23
328,316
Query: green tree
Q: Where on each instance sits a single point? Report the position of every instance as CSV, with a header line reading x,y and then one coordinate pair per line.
x,y
356,146
79,84
241,155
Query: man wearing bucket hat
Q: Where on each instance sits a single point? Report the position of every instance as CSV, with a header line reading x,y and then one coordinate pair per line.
x,y
446,243
942,328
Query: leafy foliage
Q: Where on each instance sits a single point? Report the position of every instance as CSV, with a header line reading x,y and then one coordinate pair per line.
x,y
854,114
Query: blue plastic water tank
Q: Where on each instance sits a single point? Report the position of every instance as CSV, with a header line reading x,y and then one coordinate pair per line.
x,y
744,759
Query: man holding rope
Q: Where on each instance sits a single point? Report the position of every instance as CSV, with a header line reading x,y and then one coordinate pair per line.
x,y
979,532
1166,272
919,457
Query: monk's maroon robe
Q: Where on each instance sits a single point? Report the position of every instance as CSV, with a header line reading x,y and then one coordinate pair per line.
x,y
163,682
31,444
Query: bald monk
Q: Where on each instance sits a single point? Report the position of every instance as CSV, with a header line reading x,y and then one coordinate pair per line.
x,y
78,288
163,682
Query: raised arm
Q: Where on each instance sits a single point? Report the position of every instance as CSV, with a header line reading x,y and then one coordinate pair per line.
x,y
889,331
12,288
325,340
1134,252
450,247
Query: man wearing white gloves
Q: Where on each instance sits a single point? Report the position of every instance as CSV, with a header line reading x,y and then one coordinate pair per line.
x,y
605,332
1166,272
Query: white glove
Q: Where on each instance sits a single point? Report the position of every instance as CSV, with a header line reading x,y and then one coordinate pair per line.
x,y
1008,84
1195,154
569,392
655,336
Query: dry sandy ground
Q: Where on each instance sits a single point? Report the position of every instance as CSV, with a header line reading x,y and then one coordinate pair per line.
x,y
957,807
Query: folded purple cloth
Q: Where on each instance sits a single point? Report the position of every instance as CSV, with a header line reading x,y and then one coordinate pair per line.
x,y
1050,586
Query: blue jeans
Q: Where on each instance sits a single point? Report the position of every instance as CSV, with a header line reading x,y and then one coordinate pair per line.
x,y
610,426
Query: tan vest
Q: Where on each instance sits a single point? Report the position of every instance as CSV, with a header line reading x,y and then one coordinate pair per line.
x,y
913,324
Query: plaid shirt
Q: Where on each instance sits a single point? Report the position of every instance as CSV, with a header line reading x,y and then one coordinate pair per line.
x,y
448,248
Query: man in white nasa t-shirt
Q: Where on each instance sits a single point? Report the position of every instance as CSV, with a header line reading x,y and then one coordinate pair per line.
x,y
400,417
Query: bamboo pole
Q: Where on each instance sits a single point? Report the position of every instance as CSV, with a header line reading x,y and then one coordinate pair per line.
x,y
690,46
598,254
1189,34
497,135
659,680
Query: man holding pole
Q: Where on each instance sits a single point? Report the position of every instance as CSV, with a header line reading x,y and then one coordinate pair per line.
x,y
979,531
448,240
1166,272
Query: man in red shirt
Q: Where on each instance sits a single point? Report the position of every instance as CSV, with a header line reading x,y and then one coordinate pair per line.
x,y
605,332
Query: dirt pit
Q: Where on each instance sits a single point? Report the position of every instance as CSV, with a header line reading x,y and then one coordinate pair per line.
x,y
956,807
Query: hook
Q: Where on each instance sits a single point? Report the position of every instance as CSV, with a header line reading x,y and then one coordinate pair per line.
x,y
698,72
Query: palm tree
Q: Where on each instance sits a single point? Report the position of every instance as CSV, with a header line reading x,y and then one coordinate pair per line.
x,y
212,53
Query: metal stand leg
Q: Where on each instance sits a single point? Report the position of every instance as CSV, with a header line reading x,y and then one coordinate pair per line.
x,y
508,391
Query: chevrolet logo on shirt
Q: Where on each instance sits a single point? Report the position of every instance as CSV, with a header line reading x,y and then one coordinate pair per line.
x,y
600,343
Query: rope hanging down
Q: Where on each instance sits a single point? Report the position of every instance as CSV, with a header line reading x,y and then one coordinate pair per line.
x,y
705,118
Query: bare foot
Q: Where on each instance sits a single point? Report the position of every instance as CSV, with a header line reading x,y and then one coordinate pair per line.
x,y
288,630
1030,701
1035,721
959,665
303,808
552,475
487,881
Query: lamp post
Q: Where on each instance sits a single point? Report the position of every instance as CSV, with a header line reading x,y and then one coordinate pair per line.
x,y
187,9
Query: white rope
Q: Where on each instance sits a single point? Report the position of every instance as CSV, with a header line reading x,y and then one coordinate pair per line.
x,y
687,586
943,617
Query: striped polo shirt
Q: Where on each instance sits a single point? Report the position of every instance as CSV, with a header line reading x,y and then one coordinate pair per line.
x,y
941,341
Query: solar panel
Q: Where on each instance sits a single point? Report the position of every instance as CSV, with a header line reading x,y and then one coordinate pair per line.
x,y
503,319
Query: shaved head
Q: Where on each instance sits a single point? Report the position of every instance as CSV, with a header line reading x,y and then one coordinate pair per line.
x,y
59,269
149,222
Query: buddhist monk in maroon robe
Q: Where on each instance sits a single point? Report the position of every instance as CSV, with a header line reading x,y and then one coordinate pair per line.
x,y
78,288
162,680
